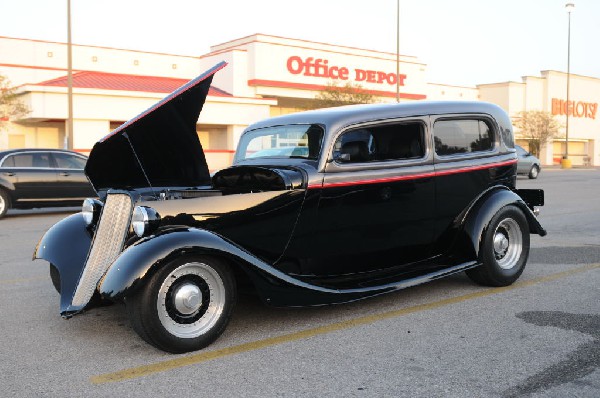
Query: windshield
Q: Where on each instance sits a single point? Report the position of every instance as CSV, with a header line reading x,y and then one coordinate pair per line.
x,y
291,141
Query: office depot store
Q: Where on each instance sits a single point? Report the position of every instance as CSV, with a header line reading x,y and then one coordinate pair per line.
x,y
266,76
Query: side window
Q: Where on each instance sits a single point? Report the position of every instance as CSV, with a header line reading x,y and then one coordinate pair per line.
x,y
66,161
33,159
381,143
8,162
462,136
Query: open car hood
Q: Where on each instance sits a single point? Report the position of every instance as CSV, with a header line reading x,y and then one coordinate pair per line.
x,y
157,148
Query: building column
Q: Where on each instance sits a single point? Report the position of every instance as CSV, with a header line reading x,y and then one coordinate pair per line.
x,y
87,132
547,153
234,133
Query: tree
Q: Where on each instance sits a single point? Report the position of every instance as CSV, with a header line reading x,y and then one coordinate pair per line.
x,y
10,104
348,94
538,127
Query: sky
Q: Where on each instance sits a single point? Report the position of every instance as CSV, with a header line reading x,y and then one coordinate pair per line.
x,y
463,42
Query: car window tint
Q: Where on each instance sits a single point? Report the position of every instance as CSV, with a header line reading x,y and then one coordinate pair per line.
x,y
381,143
67,161
8,162
34,159
462,136
302,141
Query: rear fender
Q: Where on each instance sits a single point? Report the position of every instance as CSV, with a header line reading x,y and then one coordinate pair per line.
x,y
480,215
66,245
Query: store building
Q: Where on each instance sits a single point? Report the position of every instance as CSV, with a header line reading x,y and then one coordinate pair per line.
x,y
266,76
548,93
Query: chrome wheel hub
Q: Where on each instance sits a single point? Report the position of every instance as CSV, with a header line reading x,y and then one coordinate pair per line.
x,y
500,244
188,299
508,243
191,300
2,204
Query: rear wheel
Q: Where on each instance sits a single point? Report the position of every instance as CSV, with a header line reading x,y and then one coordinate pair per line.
x,y
185,306
504,249
4,203
534,172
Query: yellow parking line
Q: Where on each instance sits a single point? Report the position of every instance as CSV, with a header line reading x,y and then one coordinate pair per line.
x,y
194,359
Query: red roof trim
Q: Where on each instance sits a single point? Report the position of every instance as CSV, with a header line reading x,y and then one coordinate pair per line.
x,y
318,87
170,97
117,81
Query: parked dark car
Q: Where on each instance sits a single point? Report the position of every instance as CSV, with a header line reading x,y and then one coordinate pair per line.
x,y
383,197
527,163
32,178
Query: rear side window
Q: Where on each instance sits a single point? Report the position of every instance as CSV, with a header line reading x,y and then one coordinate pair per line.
x,y
66,161
34,159
381,143
8,162
462,136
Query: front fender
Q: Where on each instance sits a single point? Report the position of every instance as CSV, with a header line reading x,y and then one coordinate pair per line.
x,y
480,215
66,245
140,260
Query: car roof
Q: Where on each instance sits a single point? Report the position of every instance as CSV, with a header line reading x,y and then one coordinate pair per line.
x,y
338,117
5,153
18,150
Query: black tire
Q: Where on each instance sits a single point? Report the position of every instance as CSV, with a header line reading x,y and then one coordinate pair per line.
x,y
4,202
534,172
184,306
55,277
504,249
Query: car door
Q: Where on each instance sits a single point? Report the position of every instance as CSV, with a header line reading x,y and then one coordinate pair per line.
x,y
377,200
33,177
467,163
72,181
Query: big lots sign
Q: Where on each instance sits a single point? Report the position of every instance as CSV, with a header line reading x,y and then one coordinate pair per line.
x,y
320,68
574,108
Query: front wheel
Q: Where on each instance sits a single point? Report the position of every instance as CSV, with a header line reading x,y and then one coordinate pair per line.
x,y
4,203
504,249
55,277
185,306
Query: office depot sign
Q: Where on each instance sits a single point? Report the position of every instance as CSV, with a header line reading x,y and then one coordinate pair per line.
x,y
320,67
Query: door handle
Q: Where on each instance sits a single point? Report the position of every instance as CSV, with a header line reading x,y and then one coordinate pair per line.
x,y
9,173
64,174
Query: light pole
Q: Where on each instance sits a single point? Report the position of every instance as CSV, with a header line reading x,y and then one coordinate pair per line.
x,y
69,132
566,162
398,51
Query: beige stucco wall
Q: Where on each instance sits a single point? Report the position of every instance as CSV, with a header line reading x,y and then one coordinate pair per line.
x,y
538,93
259,77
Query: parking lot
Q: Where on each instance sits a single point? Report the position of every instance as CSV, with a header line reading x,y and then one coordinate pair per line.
x,y
449,338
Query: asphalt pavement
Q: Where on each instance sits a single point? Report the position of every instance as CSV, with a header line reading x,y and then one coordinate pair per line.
x,y
450,338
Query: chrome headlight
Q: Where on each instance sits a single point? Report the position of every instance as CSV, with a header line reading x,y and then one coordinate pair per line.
x,y
90,210
144,220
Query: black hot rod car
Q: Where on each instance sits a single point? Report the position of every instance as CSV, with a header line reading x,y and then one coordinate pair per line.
x,y
319,207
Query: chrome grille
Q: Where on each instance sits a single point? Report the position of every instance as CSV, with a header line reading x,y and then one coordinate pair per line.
x,y
106,247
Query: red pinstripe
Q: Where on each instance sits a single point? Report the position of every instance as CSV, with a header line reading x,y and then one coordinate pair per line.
x,y
413,176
